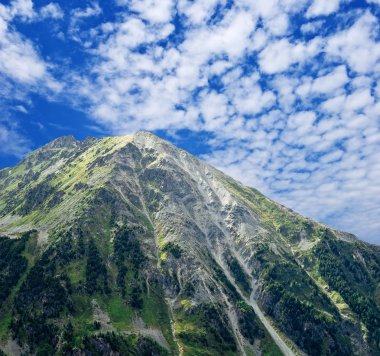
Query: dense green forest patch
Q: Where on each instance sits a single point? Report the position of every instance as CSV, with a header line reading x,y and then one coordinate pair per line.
x,y
296,303
204,329
13,262
133,345
16,258
43,297
351,279
237,271
247,319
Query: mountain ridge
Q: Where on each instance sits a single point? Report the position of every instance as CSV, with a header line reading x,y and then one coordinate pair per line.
x,y
228,264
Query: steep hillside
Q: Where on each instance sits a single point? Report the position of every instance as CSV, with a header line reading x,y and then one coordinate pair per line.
x,y
130,245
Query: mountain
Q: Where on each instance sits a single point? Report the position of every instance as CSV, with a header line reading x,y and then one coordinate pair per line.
x,y
131,246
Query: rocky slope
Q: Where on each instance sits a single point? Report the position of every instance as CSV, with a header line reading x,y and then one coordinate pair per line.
x,y
129,245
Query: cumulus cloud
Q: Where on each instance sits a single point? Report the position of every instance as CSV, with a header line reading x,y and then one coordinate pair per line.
x,y
278,56
322,7
51,10
92,10
312,27
332,81
357,45
25,10
22,8
156,11
197,12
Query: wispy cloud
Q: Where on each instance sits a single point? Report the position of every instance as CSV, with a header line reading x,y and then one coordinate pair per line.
x,y
11,141
22,71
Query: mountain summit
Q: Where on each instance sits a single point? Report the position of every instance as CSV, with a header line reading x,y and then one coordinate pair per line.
x,y
131,246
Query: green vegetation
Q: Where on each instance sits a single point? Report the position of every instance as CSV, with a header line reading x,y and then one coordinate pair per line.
x,y
173,249
247,319
119,311
81,318
241,278
112,343
204,330
128,256
269,348
43,297
300,309
28,241
274,216
312,329
12,263
105,267
343,274
155,312
76,271
295,280
35,197
96,271
53,309
221,276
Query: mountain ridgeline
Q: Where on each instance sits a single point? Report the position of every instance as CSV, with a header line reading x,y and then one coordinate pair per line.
x,y
131,246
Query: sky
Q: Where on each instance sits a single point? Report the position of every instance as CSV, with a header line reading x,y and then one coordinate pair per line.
x,y
283,95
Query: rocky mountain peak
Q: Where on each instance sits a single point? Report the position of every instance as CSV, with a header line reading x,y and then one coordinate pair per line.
x,y
62,142
131,245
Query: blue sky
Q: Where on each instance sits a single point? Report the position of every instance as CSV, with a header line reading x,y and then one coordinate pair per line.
x,y
280,94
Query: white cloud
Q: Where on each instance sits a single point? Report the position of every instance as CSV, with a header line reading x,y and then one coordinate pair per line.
x,y
197,11
278,25
302,122
331,82
214,110
280,55
322,7
93,10
335,104
25,11
22,71
19,59
357,45
312,27
78,18
52,10
11,142
331,157
155,11
230,37
358,100
22,8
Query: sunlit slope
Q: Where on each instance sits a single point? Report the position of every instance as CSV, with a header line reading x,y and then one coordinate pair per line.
x,y
129,244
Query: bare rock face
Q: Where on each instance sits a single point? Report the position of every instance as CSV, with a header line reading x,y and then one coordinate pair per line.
x,y
135,228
